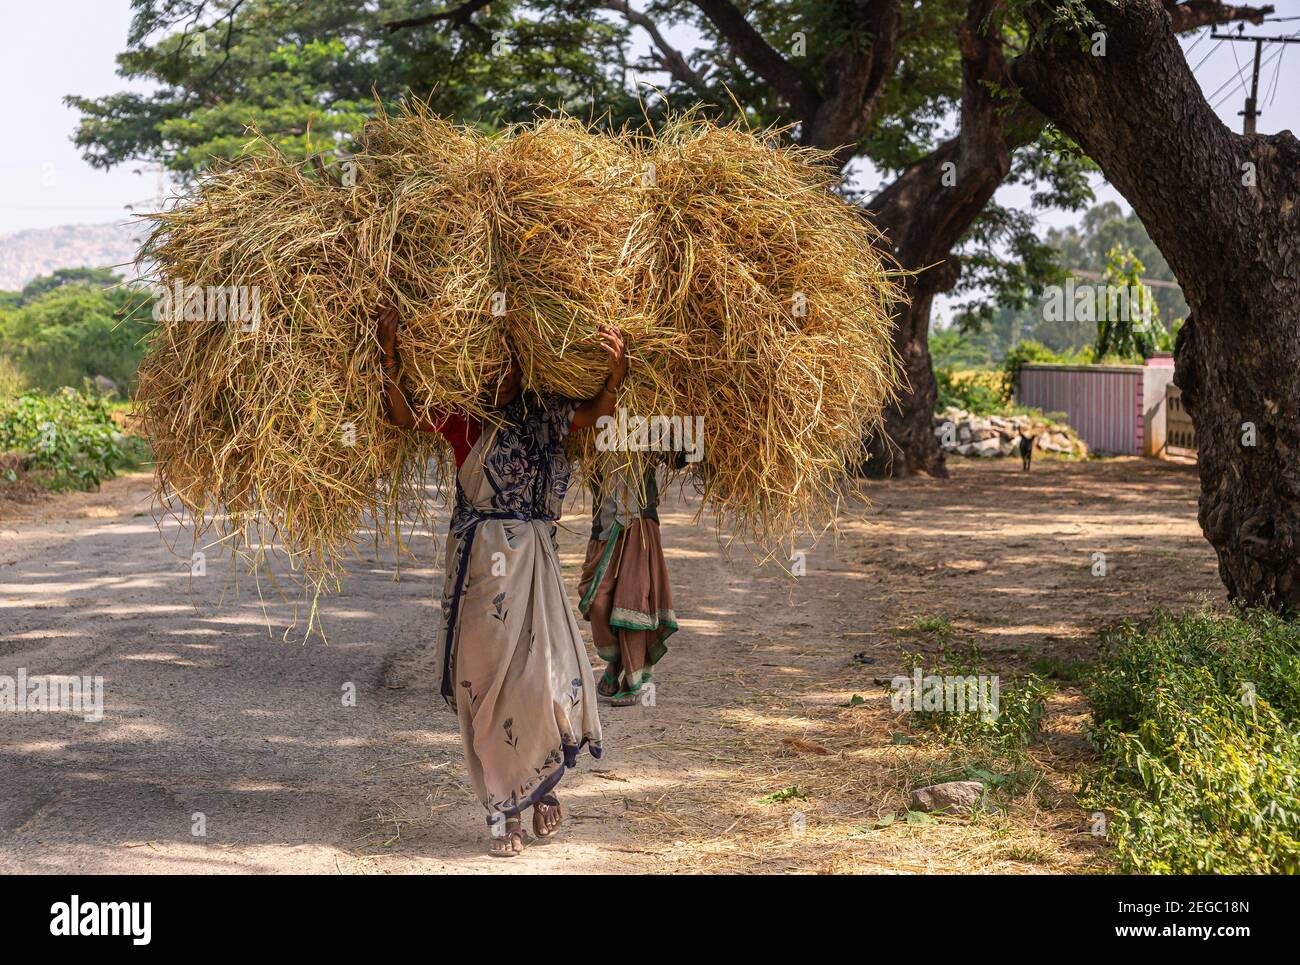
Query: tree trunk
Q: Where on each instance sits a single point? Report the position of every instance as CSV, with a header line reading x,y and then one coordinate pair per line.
x,y
1223,210
924,214
907,445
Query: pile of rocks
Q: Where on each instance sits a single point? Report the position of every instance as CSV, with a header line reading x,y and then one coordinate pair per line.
x,y
960,432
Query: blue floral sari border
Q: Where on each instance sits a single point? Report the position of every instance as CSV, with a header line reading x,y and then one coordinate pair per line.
x,y
547,786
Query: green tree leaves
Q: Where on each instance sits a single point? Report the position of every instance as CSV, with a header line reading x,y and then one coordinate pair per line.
x,y
68,327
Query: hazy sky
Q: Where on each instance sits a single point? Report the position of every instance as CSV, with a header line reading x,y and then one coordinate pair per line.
x,y
50,48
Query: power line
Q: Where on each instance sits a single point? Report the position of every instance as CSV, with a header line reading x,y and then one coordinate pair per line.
x,y
1251,112
1098,276
1218,90
1207,56
1277,72
1237,77
63,207
1240,83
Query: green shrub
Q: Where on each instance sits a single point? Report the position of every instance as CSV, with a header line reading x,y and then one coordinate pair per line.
x,y
1195,719
68,434
11,380
59,336
953,348
1020,705
976,392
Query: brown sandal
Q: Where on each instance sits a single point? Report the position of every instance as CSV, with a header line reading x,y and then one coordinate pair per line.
x,y
627,698
510,844
606,686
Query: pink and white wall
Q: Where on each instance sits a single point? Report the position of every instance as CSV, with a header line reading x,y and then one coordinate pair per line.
x,y
1116,409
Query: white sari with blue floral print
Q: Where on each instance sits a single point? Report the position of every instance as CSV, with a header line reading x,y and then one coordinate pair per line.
x,y
511,656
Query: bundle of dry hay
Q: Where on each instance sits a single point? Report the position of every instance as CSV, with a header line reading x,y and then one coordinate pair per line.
x,y
751,296
785,303
526,242
261,392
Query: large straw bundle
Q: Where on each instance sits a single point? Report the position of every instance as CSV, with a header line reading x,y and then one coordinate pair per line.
x,y
428,248
547,220
698,244
272,433
785,304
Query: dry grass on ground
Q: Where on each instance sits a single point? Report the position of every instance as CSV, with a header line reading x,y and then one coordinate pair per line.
x,y
992,558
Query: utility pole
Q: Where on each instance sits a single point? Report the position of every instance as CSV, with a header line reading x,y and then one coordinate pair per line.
x,y
1252,101
1252,110
159,199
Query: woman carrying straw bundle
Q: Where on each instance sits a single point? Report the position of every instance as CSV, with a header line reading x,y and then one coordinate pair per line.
x,y
511,657
625,590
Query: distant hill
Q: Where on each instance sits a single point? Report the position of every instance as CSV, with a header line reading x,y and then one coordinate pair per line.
x,y
24,255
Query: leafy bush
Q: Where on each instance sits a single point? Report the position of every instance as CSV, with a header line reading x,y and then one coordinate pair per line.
x,y
70,435
62,330
977,392
1195,718
954,348
1019,710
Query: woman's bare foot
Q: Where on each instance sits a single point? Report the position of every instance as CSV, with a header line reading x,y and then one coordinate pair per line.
x,y
510,844
547,816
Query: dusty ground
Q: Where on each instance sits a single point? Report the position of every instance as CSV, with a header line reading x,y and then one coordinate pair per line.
x,y
206,712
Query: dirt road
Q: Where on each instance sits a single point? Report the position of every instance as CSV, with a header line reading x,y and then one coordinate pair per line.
x,y
754,757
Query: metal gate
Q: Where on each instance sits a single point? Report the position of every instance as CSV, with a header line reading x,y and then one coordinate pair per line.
x,y
1180,433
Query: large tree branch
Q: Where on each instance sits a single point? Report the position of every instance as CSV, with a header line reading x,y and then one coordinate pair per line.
x,y
834,116
906,210
749,45
927,209
459,16
1058,79
855,78
1194,14
669,56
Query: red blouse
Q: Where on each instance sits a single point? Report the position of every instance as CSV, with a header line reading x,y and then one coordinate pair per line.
x,y
460,430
